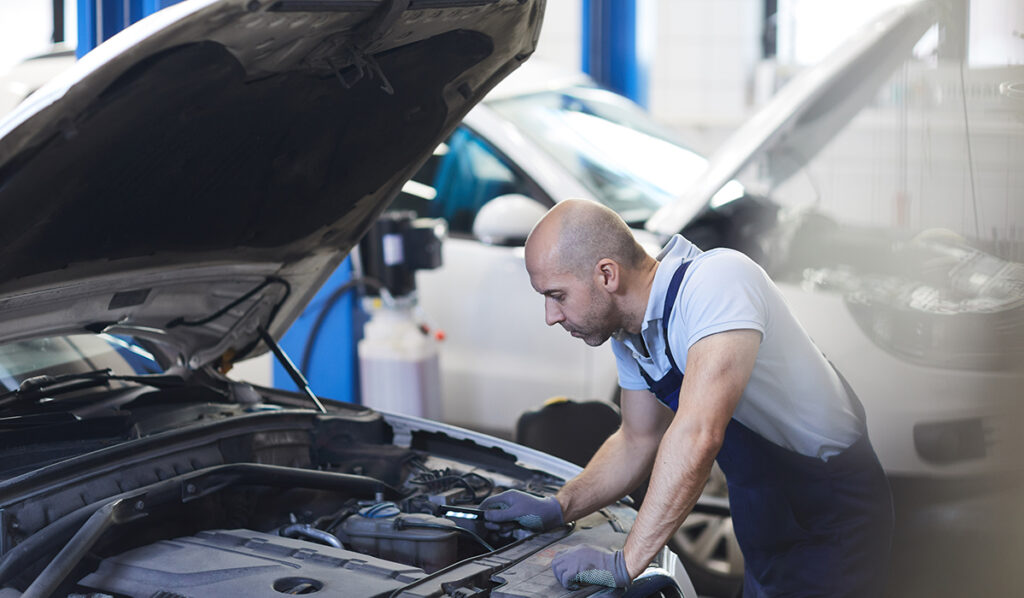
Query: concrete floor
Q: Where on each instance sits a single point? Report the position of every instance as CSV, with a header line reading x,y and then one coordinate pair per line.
x,y
963,538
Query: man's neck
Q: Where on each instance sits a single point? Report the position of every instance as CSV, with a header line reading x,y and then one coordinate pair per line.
x,y
638,295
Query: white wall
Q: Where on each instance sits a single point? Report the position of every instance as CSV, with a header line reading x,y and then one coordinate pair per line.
x,y
702,71
996,32
705,59
26,27
561,34
902,163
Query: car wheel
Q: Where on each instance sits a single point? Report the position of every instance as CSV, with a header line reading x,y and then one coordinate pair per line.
x,y
707,546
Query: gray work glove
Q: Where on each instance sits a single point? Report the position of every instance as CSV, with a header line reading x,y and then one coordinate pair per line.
x,y
590,564
532,512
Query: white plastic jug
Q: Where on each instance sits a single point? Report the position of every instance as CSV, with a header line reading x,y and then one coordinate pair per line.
x,y
398,364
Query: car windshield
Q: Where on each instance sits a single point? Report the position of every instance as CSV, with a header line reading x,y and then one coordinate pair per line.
x,y
628,161
71,354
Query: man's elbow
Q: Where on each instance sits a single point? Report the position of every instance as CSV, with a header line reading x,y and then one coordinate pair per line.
x,y
706,441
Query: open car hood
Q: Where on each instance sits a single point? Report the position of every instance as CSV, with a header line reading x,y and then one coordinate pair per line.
x,y
807,113
199,175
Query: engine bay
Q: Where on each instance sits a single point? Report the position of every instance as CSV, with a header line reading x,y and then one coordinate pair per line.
x,y
376,545
283,502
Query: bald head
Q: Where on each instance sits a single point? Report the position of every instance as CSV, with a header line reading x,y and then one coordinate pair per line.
x,y
576,234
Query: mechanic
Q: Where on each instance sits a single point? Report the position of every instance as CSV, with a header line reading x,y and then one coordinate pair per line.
x,y
811,506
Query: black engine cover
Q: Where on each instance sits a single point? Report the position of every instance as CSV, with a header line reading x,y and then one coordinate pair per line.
x,y
246,564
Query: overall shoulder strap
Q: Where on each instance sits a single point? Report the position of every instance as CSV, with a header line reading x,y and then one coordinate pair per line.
x,y
670,301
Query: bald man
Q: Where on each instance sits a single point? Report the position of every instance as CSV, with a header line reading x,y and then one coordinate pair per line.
x,y
811,506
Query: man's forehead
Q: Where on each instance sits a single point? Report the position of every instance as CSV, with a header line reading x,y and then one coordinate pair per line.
x,y
540,280
549,279
540,259
543,262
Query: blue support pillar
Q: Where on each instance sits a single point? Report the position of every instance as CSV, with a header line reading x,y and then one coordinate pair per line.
x,y
99,20
331,367
611,49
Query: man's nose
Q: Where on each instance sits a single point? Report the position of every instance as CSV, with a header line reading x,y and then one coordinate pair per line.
x,y
552,314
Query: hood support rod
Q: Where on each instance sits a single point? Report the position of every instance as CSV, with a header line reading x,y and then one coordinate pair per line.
x,y
289,367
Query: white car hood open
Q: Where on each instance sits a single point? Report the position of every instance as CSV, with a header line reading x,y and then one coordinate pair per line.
x,y
808,112
200,175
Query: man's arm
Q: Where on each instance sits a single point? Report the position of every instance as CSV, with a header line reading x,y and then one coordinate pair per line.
x,y
717,370
623,461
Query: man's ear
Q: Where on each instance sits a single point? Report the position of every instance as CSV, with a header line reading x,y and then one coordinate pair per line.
x,y
607,274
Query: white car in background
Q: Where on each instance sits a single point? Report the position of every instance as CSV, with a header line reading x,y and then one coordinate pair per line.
x,y
926,325
544,135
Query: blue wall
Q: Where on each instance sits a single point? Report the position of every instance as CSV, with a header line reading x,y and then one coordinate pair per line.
x,y
331,372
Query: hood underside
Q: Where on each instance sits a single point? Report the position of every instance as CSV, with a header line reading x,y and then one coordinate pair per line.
x,y
218,147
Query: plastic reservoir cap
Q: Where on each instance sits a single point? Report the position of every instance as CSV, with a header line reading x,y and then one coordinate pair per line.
x,y
380,510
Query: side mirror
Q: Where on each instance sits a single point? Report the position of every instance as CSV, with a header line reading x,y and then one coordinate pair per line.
x,y
507,220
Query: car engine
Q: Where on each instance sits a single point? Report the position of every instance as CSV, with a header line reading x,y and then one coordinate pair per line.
x,y
283,501
376,546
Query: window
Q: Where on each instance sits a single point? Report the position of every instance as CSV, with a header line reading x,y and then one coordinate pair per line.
x,y
462,175
72,354
629,162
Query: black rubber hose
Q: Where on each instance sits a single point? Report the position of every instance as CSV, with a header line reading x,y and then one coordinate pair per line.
x,y
220,312
307,531
569,527
183,488
328,307
402,524
47,582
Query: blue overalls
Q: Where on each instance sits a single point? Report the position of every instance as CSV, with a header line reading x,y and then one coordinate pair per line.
x,y
806,527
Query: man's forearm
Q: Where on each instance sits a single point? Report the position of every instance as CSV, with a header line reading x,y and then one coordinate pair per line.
x,y
680,472
619,466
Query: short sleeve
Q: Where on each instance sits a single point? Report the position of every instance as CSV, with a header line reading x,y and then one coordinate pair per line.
x,y
725,290
629,370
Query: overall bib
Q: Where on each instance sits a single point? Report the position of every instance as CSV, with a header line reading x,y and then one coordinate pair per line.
x,y
807,527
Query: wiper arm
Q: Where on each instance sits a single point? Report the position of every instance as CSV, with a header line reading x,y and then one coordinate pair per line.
x,y
37,386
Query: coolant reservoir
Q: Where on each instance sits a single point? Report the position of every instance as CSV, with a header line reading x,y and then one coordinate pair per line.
x,y
398,364
413,539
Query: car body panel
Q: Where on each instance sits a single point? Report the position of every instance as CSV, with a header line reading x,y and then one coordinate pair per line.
x,y
489,396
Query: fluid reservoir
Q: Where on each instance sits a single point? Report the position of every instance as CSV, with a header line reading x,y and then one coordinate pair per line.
x,y
398,363
413,539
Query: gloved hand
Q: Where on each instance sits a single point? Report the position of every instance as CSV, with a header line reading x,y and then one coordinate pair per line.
x,y
532,512
590,564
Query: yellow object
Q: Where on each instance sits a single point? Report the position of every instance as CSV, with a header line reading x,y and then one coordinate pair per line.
x,y
227,361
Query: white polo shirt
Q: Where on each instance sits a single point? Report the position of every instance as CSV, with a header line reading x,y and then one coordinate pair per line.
x,y
794,398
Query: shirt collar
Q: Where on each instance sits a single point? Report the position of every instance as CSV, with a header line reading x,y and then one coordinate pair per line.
x,y
674,253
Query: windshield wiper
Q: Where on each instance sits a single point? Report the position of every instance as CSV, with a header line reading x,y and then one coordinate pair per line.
x,y
37,387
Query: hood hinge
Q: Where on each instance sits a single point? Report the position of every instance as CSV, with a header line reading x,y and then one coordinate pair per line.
x,y
242,333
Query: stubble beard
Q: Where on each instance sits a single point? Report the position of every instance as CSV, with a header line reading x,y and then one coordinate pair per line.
x,y
600,324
